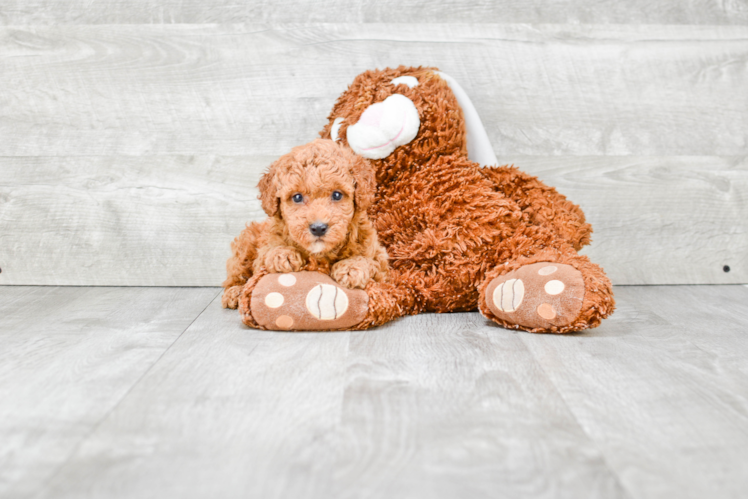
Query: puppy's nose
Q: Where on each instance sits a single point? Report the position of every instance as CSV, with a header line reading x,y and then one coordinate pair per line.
x,y
318,228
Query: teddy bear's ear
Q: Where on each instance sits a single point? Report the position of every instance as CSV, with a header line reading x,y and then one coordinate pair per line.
x,y
479,146
366,183
269,191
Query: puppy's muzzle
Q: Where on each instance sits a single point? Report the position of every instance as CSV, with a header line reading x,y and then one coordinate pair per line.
x,y
318,229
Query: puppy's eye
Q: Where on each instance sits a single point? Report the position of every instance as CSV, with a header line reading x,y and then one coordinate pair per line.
x,y
297,198
337,196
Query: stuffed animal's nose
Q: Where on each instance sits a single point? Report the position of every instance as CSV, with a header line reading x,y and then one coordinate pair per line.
x,y
372,116
318,228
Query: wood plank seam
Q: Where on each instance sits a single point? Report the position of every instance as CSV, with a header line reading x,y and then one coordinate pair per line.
x,y
591,438
103,418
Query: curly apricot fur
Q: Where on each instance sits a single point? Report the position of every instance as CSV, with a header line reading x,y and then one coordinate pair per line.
x,y
450,226
283,243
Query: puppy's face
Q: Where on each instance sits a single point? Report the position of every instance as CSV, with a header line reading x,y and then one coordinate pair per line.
x,y
316,202
316,190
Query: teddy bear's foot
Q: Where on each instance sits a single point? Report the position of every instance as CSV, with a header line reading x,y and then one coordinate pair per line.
x,y
305,301
542,296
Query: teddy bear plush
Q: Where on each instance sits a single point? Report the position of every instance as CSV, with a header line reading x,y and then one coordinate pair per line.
x,y
461,232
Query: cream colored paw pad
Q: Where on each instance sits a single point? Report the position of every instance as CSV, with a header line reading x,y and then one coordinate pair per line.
x,y
274,300
326,302
545,271
554,287
508,296
287,279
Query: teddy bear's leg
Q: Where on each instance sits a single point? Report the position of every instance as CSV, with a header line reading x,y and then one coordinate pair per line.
x,y
542,204
311,300
390,300
554,290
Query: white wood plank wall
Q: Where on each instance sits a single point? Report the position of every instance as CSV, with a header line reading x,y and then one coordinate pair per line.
x,y
132,134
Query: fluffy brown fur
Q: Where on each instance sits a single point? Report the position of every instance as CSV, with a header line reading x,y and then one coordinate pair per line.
x,y
349,250
450,226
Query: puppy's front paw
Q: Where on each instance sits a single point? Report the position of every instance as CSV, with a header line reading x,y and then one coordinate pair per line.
x,y
352,273
230,298
283,260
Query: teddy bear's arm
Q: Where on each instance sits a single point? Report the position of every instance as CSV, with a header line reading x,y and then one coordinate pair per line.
x,y
544,205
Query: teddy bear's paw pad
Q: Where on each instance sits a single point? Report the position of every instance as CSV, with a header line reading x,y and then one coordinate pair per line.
x,y
306,301
540,295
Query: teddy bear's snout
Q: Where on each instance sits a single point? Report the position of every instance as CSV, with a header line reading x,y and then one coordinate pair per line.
x,y
383,127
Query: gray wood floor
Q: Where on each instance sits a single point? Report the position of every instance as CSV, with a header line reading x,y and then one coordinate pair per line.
x,y
160,392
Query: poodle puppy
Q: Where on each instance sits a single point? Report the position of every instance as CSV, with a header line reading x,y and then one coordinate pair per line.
x,y
316,198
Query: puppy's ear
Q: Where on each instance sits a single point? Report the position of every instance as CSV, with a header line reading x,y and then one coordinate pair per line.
x,y
269,191
366,183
